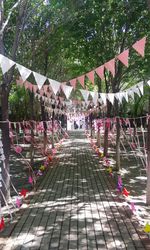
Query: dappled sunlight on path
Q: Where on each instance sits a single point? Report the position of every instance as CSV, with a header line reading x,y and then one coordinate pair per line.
x,y
75,208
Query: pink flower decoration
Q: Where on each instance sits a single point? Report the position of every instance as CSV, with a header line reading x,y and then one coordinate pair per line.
x,y
30,180
18,149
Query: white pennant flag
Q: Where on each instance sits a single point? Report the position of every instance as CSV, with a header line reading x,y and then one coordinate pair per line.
x,y
119,96
67,90
103,97
94,96
40,79
24,72
131,93
55,85
85,94
148,82
125,94
110,97
5,63
136,90
140,86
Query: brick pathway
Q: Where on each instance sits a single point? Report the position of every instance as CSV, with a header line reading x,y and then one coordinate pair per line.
x,y
76,208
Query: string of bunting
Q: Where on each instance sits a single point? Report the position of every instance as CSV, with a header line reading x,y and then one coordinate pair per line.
x,y
55,86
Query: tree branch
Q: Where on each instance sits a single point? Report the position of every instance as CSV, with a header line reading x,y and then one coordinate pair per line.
x,y
9,16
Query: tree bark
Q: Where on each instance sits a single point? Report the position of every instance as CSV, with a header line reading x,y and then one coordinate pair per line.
x,y
107,130
148,159
44,124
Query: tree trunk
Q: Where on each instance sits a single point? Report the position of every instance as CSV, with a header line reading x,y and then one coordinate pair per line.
x,y
148,159
106,130
32,129
53,114
43,114
5,140
117,144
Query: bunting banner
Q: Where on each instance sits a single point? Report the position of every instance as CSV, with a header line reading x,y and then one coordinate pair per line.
x,y
139,46
85,94
110,66
40,79
24,72
124,57
90,75
81,80
54,85
67,90
6,64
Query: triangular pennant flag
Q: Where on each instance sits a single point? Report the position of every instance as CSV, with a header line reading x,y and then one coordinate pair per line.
x,y
67,90
125,94
35,88
94,96
119,96
131,93
90,75
73,82
30,86
54,85
45,87
81,80
100,72
124,57
110,65
40,79
148,82
24,72
5,63
139,46
110,97
103,97
26,85
136,90
140,86
85,94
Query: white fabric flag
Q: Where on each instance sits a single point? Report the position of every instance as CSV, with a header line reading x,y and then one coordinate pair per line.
x,y
40,79
67,90
85,94
103,97
94,96
119,96
5,63
110,97
24,72
131,93
148,82
125,94
136,90
55,85
140,86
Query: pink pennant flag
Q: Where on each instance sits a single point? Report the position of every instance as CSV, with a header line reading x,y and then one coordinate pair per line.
x,y
123,57
30,86
139,46
45,88
26,85
81,80
35,88
41,92
110,65
100,71
90,75
73,82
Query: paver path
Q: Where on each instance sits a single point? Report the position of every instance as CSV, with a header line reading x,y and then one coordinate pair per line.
x,y
74,208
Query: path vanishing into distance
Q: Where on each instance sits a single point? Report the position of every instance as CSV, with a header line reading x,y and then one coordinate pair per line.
x,y
76,207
